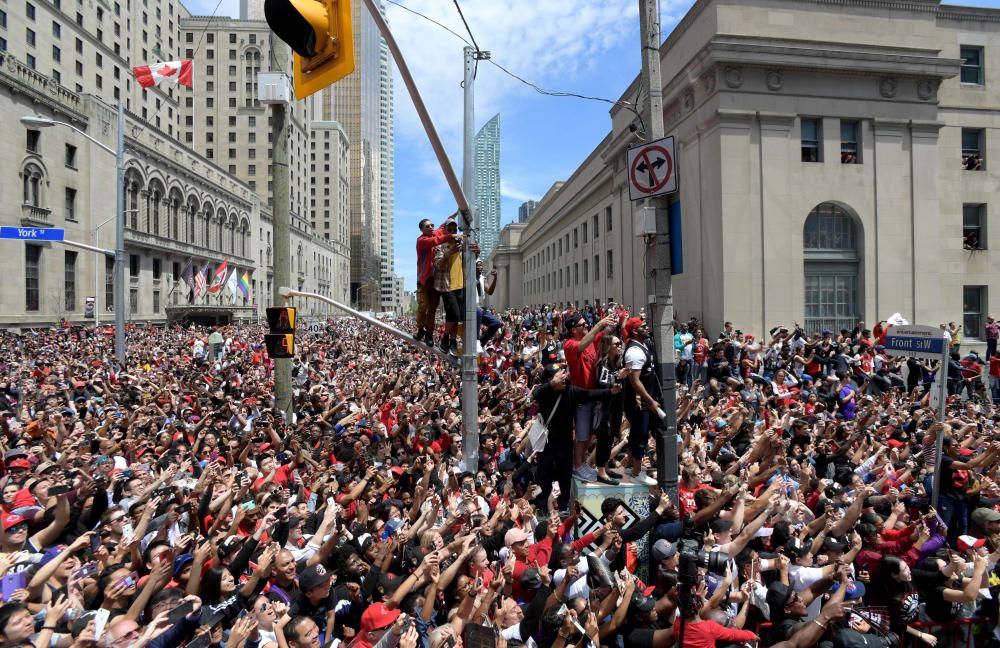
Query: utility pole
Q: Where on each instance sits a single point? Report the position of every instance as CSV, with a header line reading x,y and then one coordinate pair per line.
x,y
280,207
661,308
470,358
119,290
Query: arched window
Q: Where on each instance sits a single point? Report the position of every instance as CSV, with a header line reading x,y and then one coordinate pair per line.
x,y
32,185
830,244
192,210
208,220
154,211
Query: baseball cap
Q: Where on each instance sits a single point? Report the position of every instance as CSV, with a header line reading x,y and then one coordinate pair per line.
x,y
832,544
573,321
180,561
313,576
777,598
11,519
983,515
531,579
855,590
795,548
966,542
632,324
642,603
663,549
229,545
513,536
20,463
377,616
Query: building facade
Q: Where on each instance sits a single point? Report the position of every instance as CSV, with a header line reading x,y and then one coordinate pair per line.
x,y
525,211
486,165
387,186
834,165
355,103
189,199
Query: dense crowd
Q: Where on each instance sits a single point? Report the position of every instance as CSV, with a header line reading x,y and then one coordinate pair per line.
x,y
167,503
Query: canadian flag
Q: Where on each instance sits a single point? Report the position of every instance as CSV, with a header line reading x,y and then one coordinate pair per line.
x,y
178,72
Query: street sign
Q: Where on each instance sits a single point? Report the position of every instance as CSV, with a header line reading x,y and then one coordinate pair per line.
x,y
927,342
652,169
33,233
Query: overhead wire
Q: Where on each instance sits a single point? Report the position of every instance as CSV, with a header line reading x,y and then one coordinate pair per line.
x,y
534,86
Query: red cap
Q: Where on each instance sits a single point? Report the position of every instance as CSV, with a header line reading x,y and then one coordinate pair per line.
x,y
20,463
966,542
11,519
632,324
377,616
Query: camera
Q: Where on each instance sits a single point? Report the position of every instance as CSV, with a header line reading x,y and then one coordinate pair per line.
x,y
693,558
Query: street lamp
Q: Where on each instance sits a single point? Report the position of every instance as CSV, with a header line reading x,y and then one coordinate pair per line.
x,y
35,121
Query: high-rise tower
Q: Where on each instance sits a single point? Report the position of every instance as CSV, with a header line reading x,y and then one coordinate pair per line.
x,y
487,161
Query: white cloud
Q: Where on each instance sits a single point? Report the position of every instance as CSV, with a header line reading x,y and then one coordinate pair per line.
x,y
507,190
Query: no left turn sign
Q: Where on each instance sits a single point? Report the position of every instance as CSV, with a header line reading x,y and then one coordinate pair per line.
x,y
652,170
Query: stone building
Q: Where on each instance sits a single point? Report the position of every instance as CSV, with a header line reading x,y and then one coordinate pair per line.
x,y
836,160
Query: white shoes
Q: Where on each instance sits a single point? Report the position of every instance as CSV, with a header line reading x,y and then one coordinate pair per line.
x,y
586,472
643,478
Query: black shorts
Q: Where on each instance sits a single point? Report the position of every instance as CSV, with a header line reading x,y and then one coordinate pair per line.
x,y
454,304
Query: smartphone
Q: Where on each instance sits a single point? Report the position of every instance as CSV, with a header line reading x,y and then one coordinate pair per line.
x,y
281,512
10,583
101,621
59,489
166,557
479,636
88,570
248,505
212,456
178,613
95,446
201,641
311,503
129,581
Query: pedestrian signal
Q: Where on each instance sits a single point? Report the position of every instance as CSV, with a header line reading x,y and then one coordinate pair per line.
x,y
280,345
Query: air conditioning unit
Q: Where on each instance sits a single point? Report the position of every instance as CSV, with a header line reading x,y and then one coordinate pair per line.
x,y
274,88
644,221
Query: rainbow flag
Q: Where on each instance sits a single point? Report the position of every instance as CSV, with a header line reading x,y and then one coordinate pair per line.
x,y
245,285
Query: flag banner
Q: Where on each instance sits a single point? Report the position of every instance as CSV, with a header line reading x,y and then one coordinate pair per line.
x,y
178,72
187,275
245,285
200,281
219,279
232,285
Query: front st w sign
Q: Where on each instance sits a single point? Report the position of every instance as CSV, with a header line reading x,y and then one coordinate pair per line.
x,y
652,169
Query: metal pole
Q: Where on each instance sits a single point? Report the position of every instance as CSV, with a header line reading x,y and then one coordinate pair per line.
x,y
98,262
470,357
120,241
661,308
939,439
280,207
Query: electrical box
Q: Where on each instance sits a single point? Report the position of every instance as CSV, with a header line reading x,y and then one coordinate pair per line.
x,y
273,88
644,221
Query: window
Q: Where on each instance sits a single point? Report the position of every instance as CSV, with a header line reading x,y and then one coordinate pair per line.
x,y
607,219
973,308
56,53
109,282
609,266
156,301
849,142
576,274
32,258
30,10
70,210
210,69
811,136
30,35
3,19
133,265
596,227
584,233
79,46
157,269
586,265
56,29
974,226
972,64
210,86
133,300
972,149
69,281
576,239
830,243
33,141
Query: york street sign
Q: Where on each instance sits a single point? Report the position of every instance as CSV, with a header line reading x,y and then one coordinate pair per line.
x,y
32,233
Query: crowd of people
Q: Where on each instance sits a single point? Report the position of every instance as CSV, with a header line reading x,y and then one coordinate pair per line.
x,y
167,502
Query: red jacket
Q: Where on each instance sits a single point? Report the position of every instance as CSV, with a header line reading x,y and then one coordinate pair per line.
x,y
425,252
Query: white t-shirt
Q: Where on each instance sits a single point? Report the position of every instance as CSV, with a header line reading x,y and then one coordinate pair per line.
x,y
801,578
635,357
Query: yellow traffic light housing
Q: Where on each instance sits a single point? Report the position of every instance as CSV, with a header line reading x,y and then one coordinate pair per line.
x,y
320,34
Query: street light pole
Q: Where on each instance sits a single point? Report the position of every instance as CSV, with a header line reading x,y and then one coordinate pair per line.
x,y
97,273
33,121
120,240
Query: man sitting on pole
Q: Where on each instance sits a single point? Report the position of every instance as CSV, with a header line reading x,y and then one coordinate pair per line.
x,y
427,296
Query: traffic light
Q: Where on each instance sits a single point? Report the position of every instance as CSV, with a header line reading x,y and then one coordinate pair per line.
x,y
319,32
280,339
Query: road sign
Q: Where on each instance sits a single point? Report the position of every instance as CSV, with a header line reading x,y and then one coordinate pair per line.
x,y
652,169
927,342
33,233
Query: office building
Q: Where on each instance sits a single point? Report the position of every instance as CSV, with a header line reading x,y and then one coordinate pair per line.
x,y
184,201
525,210
486,151
835,165
355,103
387,187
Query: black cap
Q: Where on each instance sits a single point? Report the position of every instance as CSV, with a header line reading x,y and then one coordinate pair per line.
x,y
573,321
313,576
642,603
795,548
777,598
530,579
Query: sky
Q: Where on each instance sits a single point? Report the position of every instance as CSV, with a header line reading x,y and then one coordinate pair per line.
x,y
587,47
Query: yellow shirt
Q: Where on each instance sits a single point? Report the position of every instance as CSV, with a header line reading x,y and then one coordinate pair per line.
x,y
457,279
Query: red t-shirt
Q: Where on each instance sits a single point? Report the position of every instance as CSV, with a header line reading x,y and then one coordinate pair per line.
x,y
581,365
685,496
700,351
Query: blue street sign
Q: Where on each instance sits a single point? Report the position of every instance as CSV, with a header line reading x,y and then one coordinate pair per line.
x,y
915,341
33,233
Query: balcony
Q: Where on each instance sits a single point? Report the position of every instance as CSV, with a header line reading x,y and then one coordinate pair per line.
x,y
32,216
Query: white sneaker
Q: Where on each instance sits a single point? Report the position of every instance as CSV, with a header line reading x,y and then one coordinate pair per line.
x,y
580,472
588,472
643,478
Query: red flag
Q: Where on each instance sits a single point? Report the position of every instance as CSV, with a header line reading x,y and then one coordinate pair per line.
x,y
178,72
219,280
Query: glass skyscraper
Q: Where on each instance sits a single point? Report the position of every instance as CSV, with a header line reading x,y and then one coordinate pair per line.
x,y
487,168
